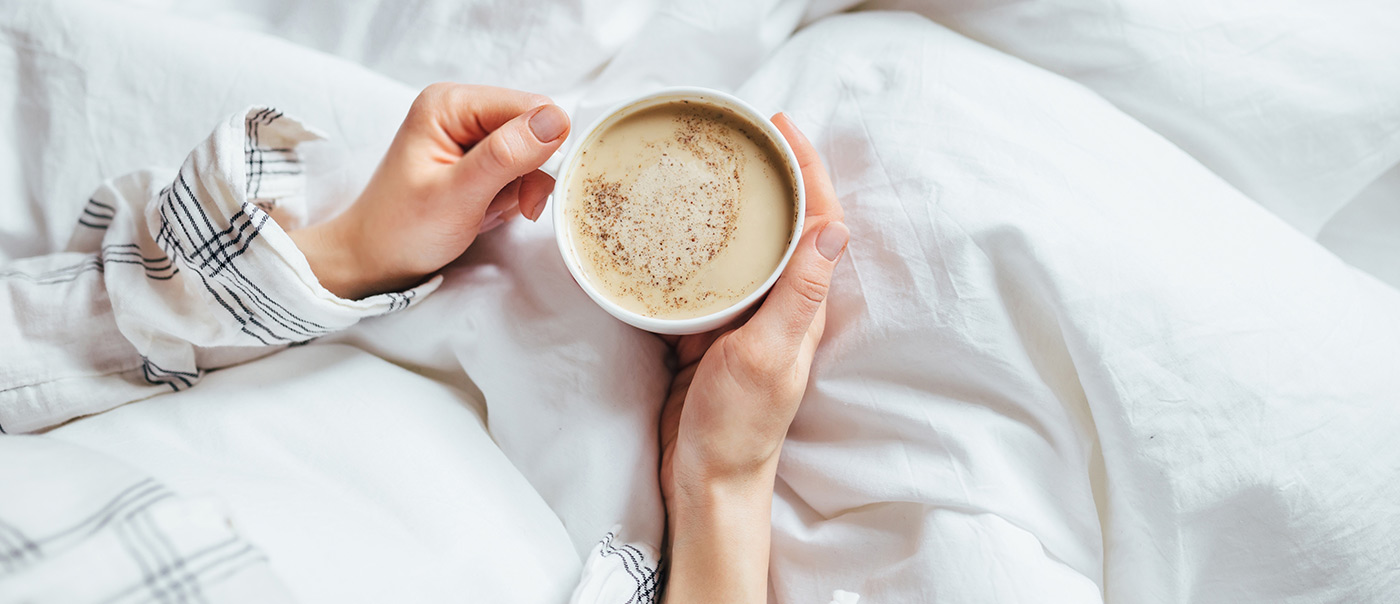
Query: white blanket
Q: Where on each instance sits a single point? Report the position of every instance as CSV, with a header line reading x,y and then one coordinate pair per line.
x,y
360,481
1065,360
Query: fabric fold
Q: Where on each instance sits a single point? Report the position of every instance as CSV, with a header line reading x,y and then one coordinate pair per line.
x,y
92,529
170,275
620,572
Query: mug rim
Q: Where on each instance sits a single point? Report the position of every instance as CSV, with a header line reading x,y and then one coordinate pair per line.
x,y
563,236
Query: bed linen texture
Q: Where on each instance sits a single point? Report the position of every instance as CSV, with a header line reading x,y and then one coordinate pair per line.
x,y
1076,352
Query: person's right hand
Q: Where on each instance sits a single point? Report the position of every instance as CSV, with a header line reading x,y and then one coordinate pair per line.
x,y
465,160
730,405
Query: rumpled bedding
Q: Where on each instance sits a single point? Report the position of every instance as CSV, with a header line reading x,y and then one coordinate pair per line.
x,y
1083,346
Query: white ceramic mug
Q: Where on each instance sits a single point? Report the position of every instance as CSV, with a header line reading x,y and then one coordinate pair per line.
x,y
560,202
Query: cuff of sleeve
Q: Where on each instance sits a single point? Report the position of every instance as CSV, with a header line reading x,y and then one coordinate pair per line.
x,y
215,221
615,573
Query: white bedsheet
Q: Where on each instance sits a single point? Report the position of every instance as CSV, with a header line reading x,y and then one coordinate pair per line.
x,y
1066,361
1065,358
360,480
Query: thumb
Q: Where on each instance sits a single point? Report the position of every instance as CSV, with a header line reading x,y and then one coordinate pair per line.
x,y
797,296
515,149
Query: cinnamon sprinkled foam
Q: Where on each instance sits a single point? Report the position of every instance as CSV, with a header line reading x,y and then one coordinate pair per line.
x,y
679,210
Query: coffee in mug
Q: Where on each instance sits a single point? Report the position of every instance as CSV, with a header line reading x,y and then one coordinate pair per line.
x,y
680,209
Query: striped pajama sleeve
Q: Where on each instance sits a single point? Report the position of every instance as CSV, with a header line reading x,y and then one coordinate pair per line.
x,y
167,276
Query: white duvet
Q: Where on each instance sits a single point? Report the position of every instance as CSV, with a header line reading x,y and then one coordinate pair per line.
x,y
1083,346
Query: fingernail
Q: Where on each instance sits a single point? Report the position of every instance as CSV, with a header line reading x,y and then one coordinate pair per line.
x,y
833,239
549,123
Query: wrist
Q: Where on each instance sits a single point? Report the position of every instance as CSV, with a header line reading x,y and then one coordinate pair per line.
x,y
333,255
701,499
701,492
326,257
718,536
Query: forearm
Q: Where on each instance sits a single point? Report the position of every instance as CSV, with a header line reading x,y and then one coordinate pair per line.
x,y
719,538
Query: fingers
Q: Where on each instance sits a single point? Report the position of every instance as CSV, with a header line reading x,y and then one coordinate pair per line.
x,y
796,306
535,188
468,114
796,302
500,219
507,197
518,147
527,194
821,197
506,201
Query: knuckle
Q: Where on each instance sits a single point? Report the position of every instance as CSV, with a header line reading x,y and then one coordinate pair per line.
x,y
732,354
432,93
429,101
809,288
761,367
834,213
503,150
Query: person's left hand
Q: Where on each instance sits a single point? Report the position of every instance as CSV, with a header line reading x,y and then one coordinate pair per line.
x,y
737,388
464,161
733,397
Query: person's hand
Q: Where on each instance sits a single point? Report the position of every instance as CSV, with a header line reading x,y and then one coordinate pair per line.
x,y
731,402
465,160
